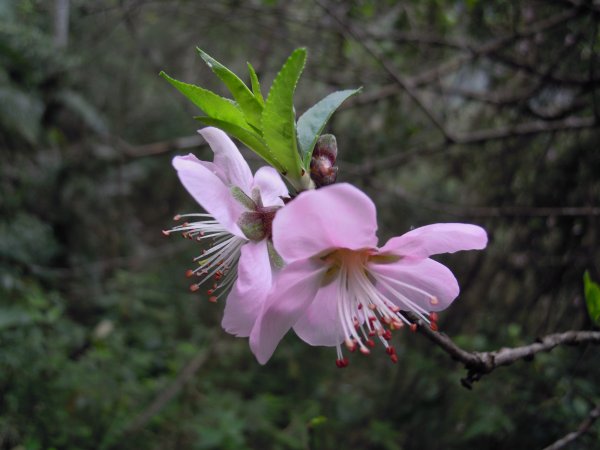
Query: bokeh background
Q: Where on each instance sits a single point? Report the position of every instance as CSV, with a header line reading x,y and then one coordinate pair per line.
x,y
477,111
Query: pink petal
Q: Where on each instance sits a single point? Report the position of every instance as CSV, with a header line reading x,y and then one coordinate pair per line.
x,y
427,283
320,323
228,158
209,191
271,186
437,238
294,289
336,216
250,290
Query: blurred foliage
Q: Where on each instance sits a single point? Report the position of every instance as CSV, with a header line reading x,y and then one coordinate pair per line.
x,y
95,317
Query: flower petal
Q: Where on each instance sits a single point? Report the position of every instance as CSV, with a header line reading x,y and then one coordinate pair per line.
x,y
245,300
228,158
294,289
271,186
209,191
426,283
336,216
437,238
320,323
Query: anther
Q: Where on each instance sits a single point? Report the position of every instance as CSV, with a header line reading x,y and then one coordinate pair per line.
x,y
212,299
350,344
413,327
370,343
189,273
434,300
433,326
166,232
387,335
365,350
176,217
394,358
433,316
194,287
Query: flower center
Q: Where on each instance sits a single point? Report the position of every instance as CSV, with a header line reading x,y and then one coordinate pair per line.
x,y
368,302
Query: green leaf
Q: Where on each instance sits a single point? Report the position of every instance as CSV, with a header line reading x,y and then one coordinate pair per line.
x,y
311,123
255,85
592,298
213,105
278,118
251,139
249,104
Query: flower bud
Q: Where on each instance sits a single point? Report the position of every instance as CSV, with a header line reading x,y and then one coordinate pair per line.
x,y
323,170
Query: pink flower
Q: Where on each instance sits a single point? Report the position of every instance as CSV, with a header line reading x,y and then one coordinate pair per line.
x,y
339,287
237,227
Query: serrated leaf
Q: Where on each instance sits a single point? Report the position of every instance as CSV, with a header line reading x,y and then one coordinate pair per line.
x,y
313,121
212,104
250,105
255,85
592,298
278,118
251,139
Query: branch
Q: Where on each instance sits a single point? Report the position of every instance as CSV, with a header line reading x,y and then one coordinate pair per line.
x,y
479,364
165,396
583,428
351,32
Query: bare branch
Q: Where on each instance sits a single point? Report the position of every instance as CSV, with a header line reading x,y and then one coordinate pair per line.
x,y
583,428
353,33
481,363
165,396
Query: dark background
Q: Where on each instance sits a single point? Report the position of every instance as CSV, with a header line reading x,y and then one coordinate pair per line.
x,y
473,111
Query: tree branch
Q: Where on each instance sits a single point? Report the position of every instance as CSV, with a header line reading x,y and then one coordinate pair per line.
x,y
583,428
479,364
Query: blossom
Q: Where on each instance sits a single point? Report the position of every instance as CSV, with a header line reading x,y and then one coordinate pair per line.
x,y
237,227
339,287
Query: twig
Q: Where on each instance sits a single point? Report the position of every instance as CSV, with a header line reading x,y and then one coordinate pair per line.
x,y
583,428
480,363
385,64
172,390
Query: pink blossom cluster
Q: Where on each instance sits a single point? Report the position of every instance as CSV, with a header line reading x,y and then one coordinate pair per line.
x,y
312,264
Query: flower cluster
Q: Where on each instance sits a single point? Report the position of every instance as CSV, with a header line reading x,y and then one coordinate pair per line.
x,y
312,262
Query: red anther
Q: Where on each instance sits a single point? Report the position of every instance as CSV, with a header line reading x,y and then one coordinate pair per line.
x,y
433,316
413,327
346,362
339,363
212,299
215,286
394,358
359,306
372,319
176,217
386,320
387,335
372,333
189,273
390,350
194,287
185,235
166,232
210,291
433,326
370,343
365,350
